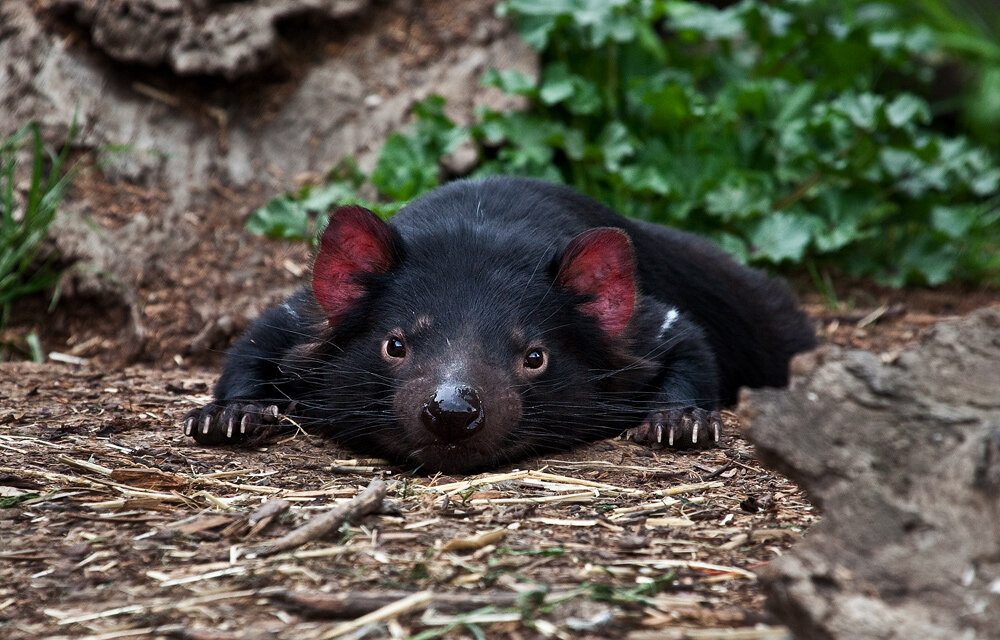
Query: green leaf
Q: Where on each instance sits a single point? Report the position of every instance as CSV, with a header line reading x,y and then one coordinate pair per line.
x,y
907,109
616,145
510,81
954,221
782,236
900,162
559,85
931,263
862,109
535,30
404,169
738,197
795,104
322,198
282,217
646,178
708,22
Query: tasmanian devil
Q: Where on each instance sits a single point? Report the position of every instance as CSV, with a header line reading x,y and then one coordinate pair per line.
x,y
500,318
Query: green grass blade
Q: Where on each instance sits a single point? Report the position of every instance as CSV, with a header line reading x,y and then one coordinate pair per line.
x,y
22,234
38,158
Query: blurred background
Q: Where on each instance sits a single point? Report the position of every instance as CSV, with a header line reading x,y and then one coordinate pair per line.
x,y
166,165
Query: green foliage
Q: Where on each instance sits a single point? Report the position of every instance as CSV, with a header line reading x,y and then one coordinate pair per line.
x,y
791,132
8,502
407,167
291,216
969,29
25,223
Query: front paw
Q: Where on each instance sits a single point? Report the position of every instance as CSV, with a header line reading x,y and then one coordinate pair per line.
x,y
231,421
683,428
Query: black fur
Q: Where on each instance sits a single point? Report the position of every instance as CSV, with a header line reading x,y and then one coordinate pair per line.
x,y
472,287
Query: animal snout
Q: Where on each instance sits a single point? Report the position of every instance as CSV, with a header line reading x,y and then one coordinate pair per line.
x,y
454,412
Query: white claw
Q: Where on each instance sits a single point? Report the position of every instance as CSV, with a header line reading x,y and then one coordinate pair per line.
x,y
244,422
273,410
627,435
206,423
229,427
694,434
670,437
188,426
659,433
715,426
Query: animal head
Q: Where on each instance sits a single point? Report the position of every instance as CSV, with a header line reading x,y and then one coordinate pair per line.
x,y
461,350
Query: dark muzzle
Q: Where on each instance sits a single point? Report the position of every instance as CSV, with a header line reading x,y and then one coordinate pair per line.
x,y
453,413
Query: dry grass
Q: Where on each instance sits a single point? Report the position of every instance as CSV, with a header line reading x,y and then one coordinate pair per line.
x,y
121,528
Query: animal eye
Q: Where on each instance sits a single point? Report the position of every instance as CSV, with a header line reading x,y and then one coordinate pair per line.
x,y
534,359
393,347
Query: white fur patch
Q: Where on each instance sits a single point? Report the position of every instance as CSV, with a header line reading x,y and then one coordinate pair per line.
x,y
668,320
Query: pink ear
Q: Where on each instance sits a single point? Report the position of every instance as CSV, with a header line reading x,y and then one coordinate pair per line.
x,y
599,263
355,243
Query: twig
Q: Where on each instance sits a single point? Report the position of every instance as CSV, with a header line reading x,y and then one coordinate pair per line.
x,y
718,472
415,601
765,633
359,603
693,565
368,501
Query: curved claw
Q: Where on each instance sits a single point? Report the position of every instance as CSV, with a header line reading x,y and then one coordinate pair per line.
x,y
215,423
686,427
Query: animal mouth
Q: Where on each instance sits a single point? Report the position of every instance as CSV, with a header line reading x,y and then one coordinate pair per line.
x,y
451,457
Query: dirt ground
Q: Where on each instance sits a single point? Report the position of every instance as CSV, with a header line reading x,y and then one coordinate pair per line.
x,y
113,525
116,526
135,530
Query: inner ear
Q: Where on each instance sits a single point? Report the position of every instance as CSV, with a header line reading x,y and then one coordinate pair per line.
x,y
600,264
355,243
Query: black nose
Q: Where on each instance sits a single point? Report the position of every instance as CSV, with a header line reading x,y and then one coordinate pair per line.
x,y
453,412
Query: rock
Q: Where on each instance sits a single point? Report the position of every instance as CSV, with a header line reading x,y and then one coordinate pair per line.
x,y
176,138
197,37
902,454
171,136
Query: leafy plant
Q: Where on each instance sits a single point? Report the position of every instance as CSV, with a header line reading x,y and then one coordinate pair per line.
x,y
25,223
407,167
969,29
791,132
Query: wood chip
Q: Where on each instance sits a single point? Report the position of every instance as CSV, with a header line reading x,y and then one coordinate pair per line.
x,y
669,522
149,478
476,541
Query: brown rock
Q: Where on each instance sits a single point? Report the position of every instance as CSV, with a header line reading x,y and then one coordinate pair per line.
x,y
903,457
